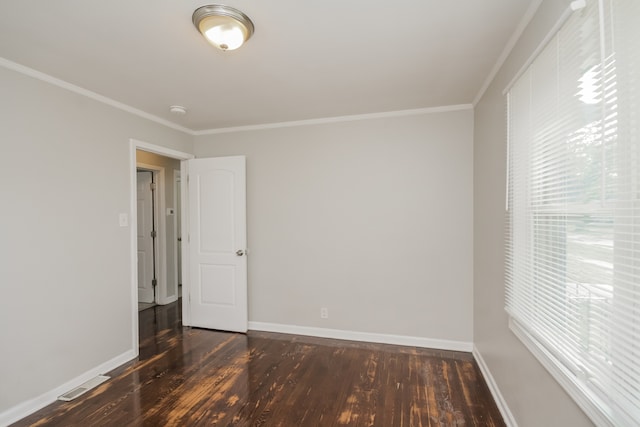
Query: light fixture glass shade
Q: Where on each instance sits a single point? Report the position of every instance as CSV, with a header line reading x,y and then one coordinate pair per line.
x,y
224,27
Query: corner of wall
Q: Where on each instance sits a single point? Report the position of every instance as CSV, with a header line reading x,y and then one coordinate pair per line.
x,y
509,419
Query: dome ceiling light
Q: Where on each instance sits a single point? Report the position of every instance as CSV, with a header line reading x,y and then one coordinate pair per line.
x,y
224,27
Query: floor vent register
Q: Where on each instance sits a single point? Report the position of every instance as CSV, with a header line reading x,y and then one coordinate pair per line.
x,y
83,388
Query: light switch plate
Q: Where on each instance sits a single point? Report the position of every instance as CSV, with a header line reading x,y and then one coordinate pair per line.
x,y
124,220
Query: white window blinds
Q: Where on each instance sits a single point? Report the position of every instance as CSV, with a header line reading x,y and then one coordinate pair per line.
x,y
573,228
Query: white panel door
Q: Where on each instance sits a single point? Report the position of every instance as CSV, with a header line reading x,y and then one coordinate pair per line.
x,y
217,246
145,242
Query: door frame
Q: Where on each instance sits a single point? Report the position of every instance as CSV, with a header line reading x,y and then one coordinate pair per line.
x,y
177,186
135,145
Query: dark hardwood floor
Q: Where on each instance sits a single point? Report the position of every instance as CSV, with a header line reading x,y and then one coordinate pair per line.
x,y
195,377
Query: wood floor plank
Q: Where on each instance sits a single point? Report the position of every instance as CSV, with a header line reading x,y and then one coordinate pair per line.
x,y
195,377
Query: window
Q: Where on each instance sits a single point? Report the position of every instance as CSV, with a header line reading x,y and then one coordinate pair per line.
x,y
573,217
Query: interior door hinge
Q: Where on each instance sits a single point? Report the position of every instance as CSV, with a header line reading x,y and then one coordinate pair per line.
x,y
153,186
154,283
153,234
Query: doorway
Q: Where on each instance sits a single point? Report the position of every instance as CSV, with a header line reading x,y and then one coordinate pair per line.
x,y
162,225
214,220
162,163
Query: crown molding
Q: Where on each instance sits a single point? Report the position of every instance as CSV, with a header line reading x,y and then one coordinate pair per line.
x,y
526,19
338,119
30,72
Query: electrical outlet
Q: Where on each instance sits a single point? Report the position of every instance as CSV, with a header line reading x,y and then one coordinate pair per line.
x,y
324,313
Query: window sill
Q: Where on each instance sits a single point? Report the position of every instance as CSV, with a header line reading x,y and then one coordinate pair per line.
x,y
596,410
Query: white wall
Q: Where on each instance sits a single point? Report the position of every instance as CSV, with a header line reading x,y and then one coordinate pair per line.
x,y
371,219
534,398
65,270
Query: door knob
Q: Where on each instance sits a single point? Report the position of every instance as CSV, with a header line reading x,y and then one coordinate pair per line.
x,y
239,252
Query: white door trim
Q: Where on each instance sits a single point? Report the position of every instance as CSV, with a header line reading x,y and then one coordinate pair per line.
x,y
186,244
133,215
177,186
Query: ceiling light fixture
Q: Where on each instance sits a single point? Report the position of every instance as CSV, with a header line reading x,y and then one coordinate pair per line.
x,y
224,27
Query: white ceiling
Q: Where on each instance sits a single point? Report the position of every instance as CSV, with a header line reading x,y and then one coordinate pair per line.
x,y
307,59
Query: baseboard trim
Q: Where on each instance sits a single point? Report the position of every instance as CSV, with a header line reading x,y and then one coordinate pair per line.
x,y
30,406
363,336
495,391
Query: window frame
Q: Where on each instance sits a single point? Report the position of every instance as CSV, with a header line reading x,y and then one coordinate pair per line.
x,y
565,369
